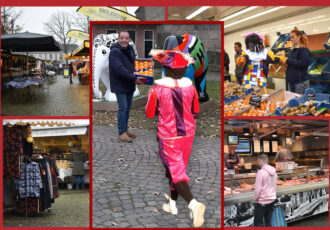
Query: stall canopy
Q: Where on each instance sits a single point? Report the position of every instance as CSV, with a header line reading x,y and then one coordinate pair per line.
x,y
52,128
82,52
28,42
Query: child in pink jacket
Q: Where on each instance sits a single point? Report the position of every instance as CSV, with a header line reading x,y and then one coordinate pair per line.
x,y
264,192
174,99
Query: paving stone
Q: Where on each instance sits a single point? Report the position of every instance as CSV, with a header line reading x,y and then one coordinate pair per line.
x,y
62,99
136,186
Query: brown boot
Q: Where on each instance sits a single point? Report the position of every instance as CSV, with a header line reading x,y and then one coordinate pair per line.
x,y
125,138
131,135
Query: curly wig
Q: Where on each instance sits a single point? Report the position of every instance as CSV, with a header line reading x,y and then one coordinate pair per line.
x,y
256,41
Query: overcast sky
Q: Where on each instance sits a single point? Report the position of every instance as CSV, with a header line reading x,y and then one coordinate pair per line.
x,y
33,18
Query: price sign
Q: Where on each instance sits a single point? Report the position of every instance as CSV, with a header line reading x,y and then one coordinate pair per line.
x,y
255,100
311,96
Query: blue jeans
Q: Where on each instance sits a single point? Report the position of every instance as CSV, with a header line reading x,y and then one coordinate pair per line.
x,y
124,105
82,180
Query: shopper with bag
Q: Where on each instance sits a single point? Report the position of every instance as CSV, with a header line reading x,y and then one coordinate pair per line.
x,y
264,192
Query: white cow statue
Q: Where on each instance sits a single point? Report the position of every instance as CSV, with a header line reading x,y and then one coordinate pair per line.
x,y
100,68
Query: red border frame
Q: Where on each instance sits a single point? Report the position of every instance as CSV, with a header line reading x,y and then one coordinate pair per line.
x,y
159,3
222,166
167,3
221,23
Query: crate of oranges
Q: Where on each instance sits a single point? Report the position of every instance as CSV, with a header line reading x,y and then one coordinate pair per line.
x,y
144,68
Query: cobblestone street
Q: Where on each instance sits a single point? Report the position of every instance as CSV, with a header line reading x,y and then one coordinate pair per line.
x,y
129,182
62,99
71,209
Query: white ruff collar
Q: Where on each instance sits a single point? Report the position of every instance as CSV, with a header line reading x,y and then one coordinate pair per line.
x,y
170,82
254,56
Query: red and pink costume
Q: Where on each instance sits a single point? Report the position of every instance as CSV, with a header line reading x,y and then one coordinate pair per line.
x,y
176,104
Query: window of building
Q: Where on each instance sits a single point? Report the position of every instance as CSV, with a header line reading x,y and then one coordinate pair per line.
x,y
148,42
111,31
132,35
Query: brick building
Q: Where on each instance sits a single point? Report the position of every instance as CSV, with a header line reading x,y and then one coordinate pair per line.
x,y
148,36
143,35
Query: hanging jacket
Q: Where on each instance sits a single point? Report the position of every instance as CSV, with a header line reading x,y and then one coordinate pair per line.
x,y
29,183
176,104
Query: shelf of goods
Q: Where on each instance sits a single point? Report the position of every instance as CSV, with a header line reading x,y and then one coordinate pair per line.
x,y
305,105
235,91
283,43
271,99
301,193
280,103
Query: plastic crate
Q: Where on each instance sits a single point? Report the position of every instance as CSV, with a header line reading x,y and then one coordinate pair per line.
x,y
320,88
281,40
149,78
314,63
234,98
326,42
321,100
326,71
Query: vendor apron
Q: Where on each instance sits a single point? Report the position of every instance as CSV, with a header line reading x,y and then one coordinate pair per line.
x,y
254,74
174,153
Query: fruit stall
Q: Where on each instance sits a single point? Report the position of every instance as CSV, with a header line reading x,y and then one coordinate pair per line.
x,y
240,101
319,67
302,184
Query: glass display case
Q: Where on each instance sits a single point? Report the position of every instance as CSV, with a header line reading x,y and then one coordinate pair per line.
x,y
244,183
301,193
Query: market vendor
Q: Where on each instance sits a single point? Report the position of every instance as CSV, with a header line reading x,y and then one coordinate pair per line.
x,y
255,60
232,159
283,155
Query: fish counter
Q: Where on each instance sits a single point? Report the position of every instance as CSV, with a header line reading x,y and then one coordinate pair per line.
x,y
301,193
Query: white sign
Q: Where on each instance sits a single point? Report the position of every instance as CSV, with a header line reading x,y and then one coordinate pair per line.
x,y
266,146
256,146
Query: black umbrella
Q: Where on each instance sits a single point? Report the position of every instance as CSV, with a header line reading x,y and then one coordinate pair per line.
x,y
28,42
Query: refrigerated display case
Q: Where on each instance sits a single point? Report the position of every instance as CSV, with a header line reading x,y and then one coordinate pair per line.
x,y
301,193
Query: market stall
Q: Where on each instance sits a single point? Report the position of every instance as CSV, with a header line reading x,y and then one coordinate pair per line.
x,y
302,182
242,101
35,143
314,102
22,75
81,63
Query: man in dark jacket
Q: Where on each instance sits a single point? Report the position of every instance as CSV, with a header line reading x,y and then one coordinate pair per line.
x,y
123,81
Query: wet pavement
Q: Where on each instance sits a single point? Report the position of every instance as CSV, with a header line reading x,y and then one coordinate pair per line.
x,y
71,209
59,99
129,182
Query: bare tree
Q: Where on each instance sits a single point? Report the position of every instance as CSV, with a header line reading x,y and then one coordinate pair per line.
x,y
81,22
58,25
9,16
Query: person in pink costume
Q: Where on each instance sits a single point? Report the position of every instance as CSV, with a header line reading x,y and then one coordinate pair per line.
x,y
175,100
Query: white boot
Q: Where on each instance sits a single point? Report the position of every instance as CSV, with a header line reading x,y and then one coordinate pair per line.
x,y
197,210
170,206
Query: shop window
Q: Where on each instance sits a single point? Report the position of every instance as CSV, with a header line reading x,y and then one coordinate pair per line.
x,y
148,42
